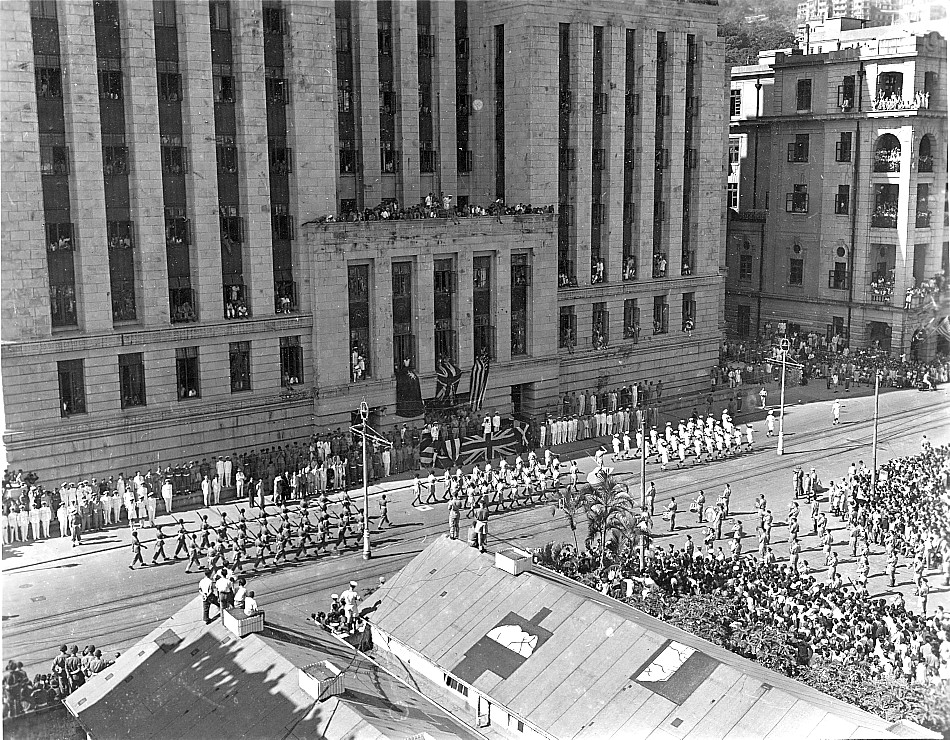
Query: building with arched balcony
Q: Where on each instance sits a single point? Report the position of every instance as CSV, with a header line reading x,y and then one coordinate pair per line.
x,y
837,187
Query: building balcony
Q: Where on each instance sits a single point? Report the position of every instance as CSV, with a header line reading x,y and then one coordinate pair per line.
x,y
757,215
919,101
923,220
123,301
881,287
566,277
285,297
629,268
686,264
598,271
887,160
838,280
659,265
183,303
885,217
235,302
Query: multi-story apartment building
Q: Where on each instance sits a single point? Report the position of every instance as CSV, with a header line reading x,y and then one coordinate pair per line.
x,y
874,12
837,186
169,293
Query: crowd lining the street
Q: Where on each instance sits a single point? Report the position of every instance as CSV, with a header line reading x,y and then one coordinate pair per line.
x,y
905,516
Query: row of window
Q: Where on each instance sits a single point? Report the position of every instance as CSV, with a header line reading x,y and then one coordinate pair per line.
x,y
132,385
887,152
600,321
886,204
890,85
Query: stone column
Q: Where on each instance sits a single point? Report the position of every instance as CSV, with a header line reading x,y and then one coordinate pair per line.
x,y
406,84
367,93
501,294
381,315
673,180
145,179
254,182
644,157
86,184
612,180
465,298
710,137
202,179
310,64
443,96
582,52
25,302
423,308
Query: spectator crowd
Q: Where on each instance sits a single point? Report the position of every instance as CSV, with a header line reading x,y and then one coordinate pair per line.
x,y
433,206
903,514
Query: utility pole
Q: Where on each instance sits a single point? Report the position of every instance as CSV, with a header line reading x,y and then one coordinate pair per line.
x,y
785,346
366,430
367,551
643,492
877,388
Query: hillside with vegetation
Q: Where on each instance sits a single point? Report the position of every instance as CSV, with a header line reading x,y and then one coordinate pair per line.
x,y
748,28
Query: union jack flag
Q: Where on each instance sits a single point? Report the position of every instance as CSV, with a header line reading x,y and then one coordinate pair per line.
x,y
479,449
447,377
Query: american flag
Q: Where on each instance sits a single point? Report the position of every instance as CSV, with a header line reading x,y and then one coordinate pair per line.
x,y
479,381
447,377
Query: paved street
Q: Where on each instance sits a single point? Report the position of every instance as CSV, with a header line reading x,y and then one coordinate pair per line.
x,y
54,594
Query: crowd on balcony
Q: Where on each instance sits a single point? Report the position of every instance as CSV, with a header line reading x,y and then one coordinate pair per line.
x,y
898,102
882,286
235,303
434,207
927,289
630,268
597,270
659,265
565,275
820,616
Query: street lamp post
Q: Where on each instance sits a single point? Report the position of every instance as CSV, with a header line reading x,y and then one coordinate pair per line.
x,y
784,345
367,550
877,388
643,491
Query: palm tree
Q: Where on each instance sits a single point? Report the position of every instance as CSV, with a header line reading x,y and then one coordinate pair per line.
x,y
633,534
609,506
572,504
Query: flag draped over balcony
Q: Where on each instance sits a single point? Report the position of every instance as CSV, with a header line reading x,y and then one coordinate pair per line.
x,y
479,381
447,377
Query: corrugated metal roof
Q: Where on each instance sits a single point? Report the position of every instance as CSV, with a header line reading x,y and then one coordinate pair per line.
x,y
206,682
576,664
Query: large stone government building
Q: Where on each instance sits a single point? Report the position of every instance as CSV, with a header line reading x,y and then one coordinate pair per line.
x,y
171,288
837,187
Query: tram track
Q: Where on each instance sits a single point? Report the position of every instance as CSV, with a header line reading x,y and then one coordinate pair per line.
x,y
122,617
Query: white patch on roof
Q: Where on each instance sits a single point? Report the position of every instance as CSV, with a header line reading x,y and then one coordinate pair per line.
x,y
666,663
515,639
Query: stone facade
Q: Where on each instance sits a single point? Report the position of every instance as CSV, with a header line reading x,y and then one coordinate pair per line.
x,y
168,429
840,226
